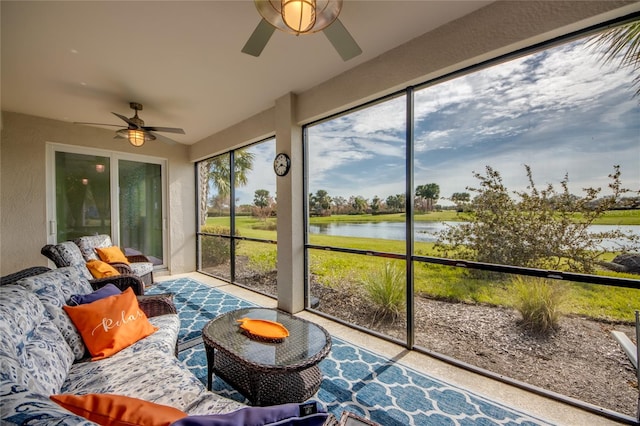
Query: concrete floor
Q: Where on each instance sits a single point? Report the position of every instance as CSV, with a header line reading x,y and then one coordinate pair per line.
x,y
544,408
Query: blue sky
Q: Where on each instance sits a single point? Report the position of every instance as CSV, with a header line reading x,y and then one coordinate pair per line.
x,y
560,111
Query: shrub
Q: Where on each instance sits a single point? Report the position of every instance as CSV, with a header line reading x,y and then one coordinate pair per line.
x,y
214,250
536,228
386,290
539,301
267,225
263,262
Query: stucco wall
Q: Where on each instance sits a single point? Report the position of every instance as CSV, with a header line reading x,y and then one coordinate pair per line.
x,y
23,221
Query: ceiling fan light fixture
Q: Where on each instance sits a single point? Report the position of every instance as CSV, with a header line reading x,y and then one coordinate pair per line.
x,y
136,137
299,15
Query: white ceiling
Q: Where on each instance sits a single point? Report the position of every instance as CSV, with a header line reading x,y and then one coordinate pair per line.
x,y
80,61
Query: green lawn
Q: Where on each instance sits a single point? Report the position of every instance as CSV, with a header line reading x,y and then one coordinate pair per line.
x,y
332,268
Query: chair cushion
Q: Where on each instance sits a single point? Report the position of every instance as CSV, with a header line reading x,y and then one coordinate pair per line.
x,y
127,373
141,268
89,244
33,352
70,253
54,288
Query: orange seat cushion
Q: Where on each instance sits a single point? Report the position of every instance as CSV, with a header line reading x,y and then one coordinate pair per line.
x,y
111,324
118,410
111,254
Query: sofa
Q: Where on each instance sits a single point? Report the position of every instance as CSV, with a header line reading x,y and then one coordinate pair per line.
x,y
42,354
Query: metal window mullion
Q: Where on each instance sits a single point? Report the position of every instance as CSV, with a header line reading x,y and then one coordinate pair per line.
x,y
305,216
232,215
409,220
197,178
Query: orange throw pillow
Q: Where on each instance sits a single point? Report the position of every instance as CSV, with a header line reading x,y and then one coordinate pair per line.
x,y
100,269
118,410
111,254
111,324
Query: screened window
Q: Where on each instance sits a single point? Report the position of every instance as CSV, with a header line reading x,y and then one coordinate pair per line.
x,y
238,214
498,226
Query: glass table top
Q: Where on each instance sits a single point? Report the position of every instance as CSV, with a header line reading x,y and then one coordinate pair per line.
x,y
306,340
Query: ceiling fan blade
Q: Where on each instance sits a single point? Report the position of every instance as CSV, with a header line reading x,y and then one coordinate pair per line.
x,y
342,40
126,120
99,124
164,129
164,139
259,38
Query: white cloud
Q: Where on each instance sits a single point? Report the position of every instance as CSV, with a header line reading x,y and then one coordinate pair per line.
x,y
560,111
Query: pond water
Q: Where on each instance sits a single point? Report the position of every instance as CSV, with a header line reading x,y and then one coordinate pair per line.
x,y
423,231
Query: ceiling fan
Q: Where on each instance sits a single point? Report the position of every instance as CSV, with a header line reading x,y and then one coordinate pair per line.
x,y
301,17
136,132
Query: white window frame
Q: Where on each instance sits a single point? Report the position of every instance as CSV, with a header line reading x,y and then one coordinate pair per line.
x,y
114,157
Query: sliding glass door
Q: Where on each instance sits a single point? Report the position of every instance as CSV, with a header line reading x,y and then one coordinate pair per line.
x,y
140,212
98,192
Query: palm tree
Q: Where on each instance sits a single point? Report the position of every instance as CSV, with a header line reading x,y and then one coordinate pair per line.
x,y
429,192
216,171
622,44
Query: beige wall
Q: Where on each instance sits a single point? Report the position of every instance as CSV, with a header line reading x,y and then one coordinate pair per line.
x,y
23,222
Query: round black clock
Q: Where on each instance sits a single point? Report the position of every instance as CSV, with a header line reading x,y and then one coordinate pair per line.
x,y
281,164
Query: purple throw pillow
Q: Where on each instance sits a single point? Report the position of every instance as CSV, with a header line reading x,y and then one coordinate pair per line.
x,y
283,414
101,293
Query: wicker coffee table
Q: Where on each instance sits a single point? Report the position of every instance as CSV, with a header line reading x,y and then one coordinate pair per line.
x,y
266,373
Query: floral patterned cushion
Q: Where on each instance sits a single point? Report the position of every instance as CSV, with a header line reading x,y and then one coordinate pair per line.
x,y
211,403
54,288
21,405
151,375
141,268
70,252
32,351
164,339
89,244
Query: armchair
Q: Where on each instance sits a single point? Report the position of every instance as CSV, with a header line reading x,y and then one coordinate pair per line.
x,y
68,254
138,265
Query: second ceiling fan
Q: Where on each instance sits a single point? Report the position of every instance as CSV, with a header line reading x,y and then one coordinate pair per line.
x,y
136,132
302,17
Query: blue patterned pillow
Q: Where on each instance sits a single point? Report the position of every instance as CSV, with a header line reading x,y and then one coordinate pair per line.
x,y
54,288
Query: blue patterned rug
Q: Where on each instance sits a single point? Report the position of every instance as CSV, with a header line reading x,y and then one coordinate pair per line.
x,y
356,379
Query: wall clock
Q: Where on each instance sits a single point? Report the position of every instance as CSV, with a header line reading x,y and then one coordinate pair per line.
x,y
281,164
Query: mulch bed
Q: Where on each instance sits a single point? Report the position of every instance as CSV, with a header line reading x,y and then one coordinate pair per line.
x,y
581,359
